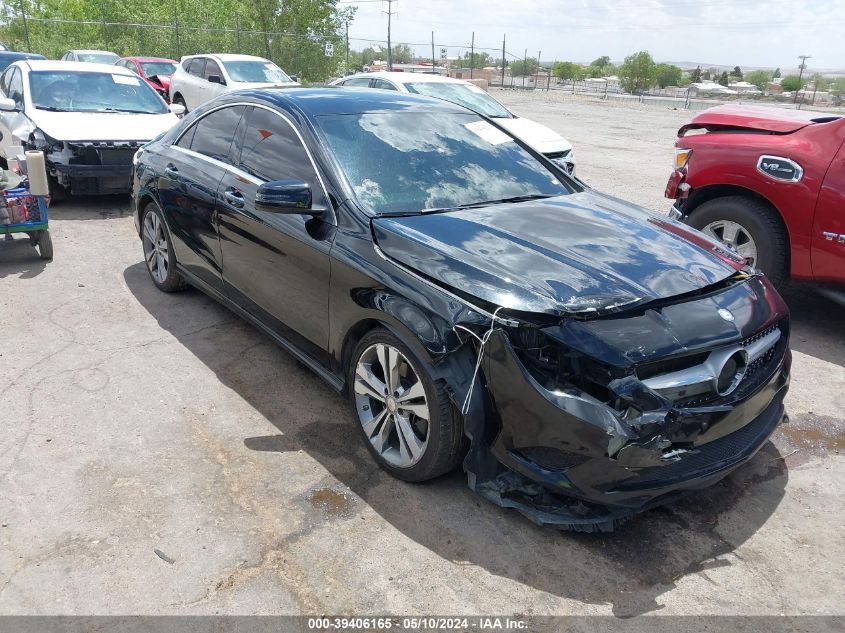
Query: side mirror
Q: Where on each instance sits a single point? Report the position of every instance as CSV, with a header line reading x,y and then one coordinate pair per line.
x,y
7,105
286,196
295,77
177,108
216,79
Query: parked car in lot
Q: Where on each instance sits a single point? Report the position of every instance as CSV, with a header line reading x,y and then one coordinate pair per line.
x,y
200,78
475,305
9,57
89,119
156,71
769,183
543,139
90,56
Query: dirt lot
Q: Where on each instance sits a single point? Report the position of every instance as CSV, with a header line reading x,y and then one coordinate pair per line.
x,y
136,422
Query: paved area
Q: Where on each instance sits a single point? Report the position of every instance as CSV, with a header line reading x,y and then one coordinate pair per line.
x,y
159,456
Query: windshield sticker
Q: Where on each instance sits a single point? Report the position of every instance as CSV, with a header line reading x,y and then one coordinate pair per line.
x,y
126,81
488,132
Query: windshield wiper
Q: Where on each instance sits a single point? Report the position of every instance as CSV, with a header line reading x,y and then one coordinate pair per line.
x,y
53,108
487,203
124,110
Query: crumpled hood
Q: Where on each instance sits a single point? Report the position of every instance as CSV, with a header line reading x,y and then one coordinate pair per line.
x,y
101,126
543,139
756,118
585,252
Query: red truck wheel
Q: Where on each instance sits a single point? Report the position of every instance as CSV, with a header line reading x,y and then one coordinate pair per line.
x,y
749,227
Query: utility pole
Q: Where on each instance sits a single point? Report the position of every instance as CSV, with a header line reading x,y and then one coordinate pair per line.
x,y
503,62
347,46
389,48
539,66
25,28
472,55
801,68
524,67
433,63
238,31
176,27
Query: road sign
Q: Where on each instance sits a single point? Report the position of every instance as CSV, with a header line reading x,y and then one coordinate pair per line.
x,y
329,49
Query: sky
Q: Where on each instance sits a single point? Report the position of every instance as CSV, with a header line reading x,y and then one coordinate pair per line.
x,y
753,33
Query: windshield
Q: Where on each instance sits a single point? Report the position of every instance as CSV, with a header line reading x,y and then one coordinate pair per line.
x,y
257,71
155,69
66,91
467,95
408,162
97,58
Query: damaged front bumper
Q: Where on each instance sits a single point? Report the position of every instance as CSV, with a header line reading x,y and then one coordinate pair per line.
x,y
586,463
93,167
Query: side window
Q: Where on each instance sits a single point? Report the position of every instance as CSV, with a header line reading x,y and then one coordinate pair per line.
x,y
384,85
271,150
16,87
187,138
214,132
211,68
196,66
65,57
357,82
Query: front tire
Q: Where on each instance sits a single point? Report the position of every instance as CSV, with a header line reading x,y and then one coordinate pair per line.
x,y
158,251
406,418
750,228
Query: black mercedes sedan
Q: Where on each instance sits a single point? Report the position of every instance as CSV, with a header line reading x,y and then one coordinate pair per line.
x,y
581,358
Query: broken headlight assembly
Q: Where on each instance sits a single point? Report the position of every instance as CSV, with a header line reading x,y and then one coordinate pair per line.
x,y
45,143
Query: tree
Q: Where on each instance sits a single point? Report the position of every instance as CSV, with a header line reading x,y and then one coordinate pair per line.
x,y
736,73
523,68
567,70
791,83
695,75
724,79
819,82
776,74
600,62
837,86
706,75
667,75
402,54
477,60
368,56
637,72
759,78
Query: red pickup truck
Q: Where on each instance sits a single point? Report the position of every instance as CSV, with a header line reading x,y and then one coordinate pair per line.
x,y
769,183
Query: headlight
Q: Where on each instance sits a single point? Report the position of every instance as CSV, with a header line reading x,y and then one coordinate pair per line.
x,y
682,157
45,143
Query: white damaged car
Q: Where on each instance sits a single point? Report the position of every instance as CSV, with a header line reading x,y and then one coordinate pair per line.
x,y
88,119
543,139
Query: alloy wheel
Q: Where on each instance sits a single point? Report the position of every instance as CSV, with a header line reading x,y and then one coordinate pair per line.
x,y
734,236
391,404
155,247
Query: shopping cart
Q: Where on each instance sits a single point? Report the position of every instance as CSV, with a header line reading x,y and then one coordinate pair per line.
x,y
22,212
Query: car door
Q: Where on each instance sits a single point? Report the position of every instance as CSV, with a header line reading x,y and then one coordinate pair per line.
x,y
11,85
275,265
209,90
828,246
193,83
190,174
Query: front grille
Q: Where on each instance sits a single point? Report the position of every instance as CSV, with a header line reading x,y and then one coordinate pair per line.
x,y
103,152
711,457
756,374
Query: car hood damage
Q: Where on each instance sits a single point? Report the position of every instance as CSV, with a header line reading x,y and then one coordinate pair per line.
x,y
759,119
602,255
102,126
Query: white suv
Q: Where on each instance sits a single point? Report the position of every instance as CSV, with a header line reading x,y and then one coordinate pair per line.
x,y
200,78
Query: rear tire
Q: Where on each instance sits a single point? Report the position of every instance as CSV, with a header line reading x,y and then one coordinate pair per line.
x,y
390,410
159,257
757,226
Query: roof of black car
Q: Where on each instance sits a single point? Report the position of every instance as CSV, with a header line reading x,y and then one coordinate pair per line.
x,y
339,100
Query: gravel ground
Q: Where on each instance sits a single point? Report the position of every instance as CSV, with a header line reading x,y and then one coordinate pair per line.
x,y
159,456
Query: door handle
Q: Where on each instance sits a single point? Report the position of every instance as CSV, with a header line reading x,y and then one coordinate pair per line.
x,y
171,170
234,197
